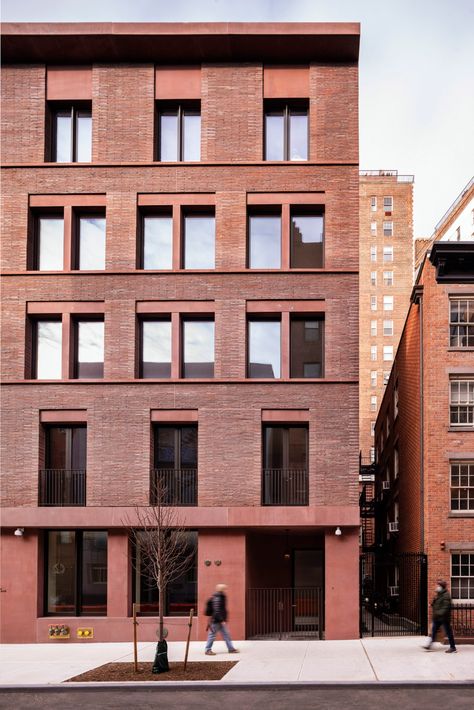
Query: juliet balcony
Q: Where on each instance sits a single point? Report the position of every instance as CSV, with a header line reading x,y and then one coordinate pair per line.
x,y
285,486
62,487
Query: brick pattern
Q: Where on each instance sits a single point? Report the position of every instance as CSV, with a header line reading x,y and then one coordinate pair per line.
x,y
23,113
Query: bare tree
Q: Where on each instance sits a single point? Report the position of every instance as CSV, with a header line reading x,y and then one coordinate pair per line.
x,y
159,536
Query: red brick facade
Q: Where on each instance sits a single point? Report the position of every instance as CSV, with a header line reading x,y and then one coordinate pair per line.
x,y
118,409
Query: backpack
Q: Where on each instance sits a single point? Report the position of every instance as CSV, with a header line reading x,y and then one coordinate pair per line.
x,y
209,607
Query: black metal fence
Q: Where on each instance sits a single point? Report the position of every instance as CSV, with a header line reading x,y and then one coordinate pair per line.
x,y
462,620
285,486
393,594
62,487
173,486
285,612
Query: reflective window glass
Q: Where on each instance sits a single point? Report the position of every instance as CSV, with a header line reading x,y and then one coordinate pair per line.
x,y
61,572
48,350
264,348
199,242
275,135
298,135
306,347
307,241
156,348
50,245
191,135
198,348
158,242
90,349
265,242
63,147
84,137
91,243
169,136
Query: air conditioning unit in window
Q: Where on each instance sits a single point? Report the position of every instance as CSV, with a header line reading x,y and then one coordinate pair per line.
x,y
393,591
386,485
393,527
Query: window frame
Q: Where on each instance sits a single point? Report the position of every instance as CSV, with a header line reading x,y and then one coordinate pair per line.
x,y
460,553
388,203
469,488
458,324
189,318
161,317
78,214
469,407
84,318
387,228
286,106
181,107
75,108
78,559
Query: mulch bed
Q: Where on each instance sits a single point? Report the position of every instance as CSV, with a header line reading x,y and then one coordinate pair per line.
x,y
119,672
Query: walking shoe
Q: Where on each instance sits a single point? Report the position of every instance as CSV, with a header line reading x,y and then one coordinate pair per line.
x,y
426,646
451,650
234,650
210,653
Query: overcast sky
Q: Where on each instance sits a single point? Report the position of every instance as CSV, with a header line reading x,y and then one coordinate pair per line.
x,y
416,74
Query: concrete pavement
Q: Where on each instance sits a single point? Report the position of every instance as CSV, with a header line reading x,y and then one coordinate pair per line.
x,y
365,660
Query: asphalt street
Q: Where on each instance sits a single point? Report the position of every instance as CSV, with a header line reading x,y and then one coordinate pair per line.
x,y
301,697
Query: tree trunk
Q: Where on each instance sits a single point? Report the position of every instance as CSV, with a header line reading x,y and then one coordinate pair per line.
x,y
161,604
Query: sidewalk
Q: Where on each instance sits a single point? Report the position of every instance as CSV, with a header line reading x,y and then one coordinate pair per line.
x,y
365,660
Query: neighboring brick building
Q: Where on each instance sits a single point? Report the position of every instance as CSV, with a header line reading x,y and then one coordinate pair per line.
x,y
425,429
386,280
180,303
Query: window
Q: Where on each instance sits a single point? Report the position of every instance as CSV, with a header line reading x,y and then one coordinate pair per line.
x,y
49,252
373,303
388,353
265,242
373,229
197,348
388,204
388,254
306,240
157,231
372,454
462,576
373,378
373,278
155,348
62,480
181,593
306,347
179,132
89,361
175,465
462,486
386,377
90,242
461,402
372,428
373,352
373,253
388,278
285,471
48,349
199,241
373,328
71,132
76,573
264,348
388,229
373,403
396,463
388,327
373,203
388,303
461,323
395,400
286,131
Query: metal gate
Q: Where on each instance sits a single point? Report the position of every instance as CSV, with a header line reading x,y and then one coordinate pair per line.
x,y
285,612
393,594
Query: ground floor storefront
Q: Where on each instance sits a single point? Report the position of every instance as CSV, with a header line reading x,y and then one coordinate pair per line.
x,y
283,582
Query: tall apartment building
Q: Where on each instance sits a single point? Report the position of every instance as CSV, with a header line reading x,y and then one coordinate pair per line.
x,y
425,429
180,254
456,225
386,279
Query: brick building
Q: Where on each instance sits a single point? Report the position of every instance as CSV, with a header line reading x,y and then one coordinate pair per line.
x,y
180,303
386,281
425,429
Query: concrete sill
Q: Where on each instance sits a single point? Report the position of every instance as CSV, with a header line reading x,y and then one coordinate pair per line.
x,y
460,350
461,428
461,514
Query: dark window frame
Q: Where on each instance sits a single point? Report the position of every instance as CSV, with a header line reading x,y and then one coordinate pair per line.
x,y
62,107
47,442
36,215
180,107
75,320
285,106
309,317
162,317
143,213
264,211
186,318
32,331
178,441
266,317
195,211
307,211
78,214
285,427
78,577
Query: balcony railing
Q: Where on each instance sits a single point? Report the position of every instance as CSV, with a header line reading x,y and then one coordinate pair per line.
x,y
172,486
285,486
62,487
462,620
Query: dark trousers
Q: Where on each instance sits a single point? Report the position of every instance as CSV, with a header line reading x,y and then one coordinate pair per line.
x,y
447,627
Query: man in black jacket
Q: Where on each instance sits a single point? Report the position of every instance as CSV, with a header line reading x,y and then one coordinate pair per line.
x,y
441,611
218,621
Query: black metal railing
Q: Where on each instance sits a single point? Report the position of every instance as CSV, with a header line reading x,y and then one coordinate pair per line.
x,y
62,487
172,486
285,486
285,612
462,620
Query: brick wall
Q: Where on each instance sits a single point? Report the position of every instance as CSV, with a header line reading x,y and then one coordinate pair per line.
x,y
23,113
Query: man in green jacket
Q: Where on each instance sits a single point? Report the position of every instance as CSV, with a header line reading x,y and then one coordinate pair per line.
x,y
441,612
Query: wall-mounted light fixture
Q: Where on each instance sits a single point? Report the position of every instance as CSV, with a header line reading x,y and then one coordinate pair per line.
x,y
338,531
19,532
207,563
217,563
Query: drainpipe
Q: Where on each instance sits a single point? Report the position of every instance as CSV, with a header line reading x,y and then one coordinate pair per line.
x,y
417,298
